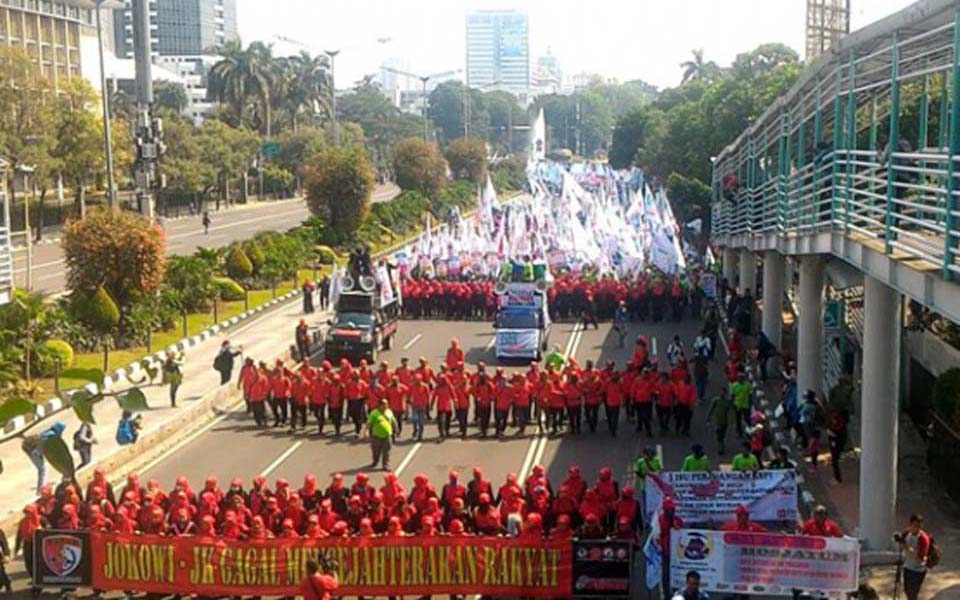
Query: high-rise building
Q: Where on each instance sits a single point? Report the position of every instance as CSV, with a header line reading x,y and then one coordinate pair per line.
x,y
498,50
827,22
547,77
184,37
180,27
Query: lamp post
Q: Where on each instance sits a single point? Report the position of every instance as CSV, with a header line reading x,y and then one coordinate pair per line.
x,y
333,93
105,102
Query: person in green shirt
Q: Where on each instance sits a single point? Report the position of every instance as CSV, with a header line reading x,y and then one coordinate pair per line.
x,y
742,392
697,461
380,426
555,358
745,460
721,410
648,463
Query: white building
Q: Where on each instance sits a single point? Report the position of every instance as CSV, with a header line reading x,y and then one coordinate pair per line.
x,y
498,51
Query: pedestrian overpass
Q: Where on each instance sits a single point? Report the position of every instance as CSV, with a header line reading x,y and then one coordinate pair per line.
x,y
859,163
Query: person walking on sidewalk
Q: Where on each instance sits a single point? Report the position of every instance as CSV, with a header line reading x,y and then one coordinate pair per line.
x,y
380,426
324,292
83,441
173,375
301,336
915,544
307,288
33,447
224,361
206,222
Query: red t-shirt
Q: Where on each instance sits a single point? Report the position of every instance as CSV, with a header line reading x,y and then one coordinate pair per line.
x,y
614,394
318,587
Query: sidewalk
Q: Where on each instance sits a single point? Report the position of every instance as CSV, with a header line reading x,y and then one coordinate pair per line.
x,y
917,492
263,338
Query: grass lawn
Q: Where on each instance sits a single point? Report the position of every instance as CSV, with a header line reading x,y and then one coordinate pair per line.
x,y
196,322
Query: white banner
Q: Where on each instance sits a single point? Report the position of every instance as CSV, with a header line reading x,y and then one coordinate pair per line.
x,y
712,497
708,281
735,562
518,343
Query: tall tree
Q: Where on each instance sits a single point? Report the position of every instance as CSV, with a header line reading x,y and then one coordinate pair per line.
x,y
79,147
340,183
243,78
419,166
698,68
307,87
171,96
633,130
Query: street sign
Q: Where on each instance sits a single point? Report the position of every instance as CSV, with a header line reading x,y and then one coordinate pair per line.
x,y
270,149
833,316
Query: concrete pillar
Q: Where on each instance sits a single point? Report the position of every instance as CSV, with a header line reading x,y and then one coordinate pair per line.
x,y
810,326
879,414
730,261
772,325
748,272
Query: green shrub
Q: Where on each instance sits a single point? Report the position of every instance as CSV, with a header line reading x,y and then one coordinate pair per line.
x,y
48,354
228,289
98,310
238,265
325,255
946,396
256,255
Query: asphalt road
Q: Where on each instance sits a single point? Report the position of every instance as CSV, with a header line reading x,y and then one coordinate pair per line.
x,y
184,236
234,447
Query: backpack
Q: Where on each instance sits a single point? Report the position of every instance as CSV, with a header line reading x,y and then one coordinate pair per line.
x,y
934,553
30,443
218,362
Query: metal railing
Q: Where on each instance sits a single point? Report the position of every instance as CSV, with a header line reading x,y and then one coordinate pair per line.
x,y
866,144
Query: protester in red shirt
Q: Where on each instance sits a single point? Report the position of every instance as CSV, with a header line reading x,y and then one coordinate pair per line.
x,y
742,522
686,394
820,525
666,399
316,585
613,397
280,389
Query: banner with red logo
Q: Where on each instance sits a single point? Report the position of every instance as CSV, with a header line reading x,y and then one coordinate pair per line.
x,y
366,566
737,562
60,558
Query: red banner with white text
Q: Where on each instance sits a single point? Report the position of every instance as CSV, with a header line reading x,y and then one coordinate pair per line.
x,y
366,566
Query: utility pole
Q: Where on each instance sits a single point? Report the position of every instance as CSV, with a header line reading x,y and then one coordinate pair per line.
x,y
423,106
148,131
105,102
333,93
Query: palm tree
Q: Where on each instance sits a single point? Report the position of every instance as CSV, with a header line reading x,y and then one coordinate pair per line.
x,y
244,76
698,69
309,86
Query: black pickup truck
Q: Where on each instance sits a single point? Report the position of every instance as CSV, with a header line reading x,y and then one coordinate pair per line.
x,y
362,326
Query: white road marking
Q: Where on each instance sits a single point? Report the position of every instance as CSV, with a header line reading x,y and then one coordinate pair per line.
x,y
660,453
493,340
522,474
259,219
52,263
407,459
412,341
281,458
653,346
176,447
538,457
572,341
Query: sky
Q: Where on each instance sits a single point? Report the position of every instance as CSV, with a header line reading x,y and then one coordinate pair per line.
x,y
621,39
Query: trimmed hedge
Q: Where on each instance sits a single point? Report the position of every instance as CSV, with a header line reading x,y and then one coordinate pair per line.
x,y
49,352
228,290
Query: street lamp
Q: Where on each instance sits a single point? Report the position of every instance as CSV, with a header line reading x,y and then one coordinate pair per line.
x,y
424,79
332,54
105,102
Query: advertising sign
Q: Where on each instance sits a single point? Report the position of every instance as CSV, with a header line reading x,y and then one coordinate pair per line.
x,y
366,566
712,497
61,558
517,342
708,281
602,569
736,562
521,295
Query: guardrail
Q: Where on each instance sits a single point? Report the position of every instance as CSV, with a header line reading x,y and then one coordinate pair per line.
x,y
866,143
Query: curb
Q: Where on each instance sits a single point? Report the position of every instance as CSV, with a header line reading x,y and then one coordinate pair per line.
x,y
134,370
807,499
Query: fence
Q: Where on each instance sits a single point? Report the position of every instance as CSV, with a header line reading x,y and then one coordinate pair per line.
x,y
866,143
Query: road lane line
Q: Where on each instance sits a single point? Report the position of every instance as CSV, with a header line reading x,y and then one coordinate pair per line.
x,y
571,339
522,474
653,345
540,450
493,340
660,453
407,459
259,219
412,341
281,458
176,447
